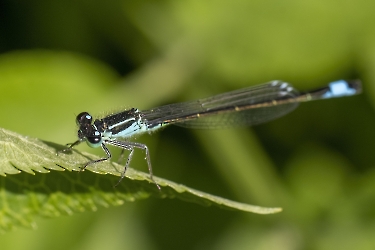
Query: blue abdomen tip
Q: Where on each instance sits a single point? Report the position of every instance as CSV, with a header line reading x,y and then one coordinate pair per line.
x,y
343,88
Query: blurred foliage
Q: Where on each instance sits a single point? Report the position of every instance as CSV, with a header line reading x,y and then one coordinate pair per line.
x,y
63,57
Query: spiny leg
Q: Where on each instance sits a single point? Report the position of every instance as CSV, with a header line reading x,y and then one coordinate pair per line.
x,y
71,145
127,163
109,156
142,146
126,145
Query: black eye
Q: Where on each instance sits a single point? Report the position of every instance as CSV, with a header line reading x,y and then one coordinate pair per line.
x,y
84,118
94,139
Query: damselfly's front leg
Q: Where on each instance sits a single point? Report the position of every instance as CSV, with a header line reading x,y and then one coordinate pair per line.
x,y
109,156
71,145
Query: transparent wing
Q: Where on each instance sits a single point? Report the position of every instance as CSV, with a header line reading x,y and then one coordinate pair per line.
x,y
243,107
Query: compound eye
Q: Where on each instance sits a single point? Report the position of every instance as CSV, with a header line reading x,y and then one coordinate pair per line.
x,y
84,118
94,140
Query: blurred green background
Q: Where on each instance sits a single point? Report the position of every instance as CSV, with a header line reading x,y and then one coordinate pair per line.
x,y
59,58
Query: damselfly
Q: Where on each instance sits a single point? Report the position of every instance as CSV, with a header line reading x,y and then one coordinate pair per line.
x,y
243,107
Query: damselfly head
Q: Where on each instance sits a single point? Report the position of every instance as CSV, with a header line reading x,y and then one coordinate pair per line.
x,y
87,131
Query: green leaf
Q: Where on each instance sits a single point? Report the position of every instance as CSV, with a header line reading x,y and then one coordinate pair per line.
x,y
34,192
